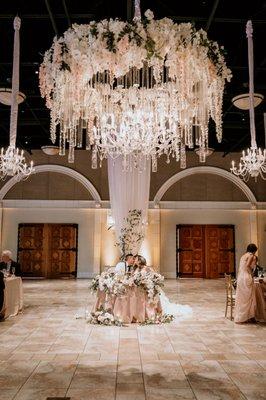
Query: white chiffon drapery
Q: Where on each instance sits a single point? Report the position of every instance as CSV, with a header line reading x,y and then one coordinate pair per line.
x,y
129,190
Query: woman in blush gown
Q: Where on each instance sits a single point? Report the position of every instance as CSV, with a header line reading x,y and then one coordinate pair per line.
x,y
250,303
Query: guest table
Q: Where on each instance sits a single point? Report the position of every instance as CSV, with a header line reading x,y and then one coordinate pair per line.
x,y
13,297
260,293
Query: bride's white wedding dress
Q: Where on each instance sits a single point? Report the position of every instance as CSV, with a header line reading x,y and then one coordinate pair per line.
x,y
174,309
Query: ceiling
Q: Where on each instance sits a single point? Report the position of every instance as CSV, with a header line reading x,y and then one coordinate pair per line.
x,y
225,21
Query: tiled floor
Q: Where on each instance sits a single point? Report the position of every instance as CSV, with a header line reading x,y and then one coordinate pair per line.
x,y
47,352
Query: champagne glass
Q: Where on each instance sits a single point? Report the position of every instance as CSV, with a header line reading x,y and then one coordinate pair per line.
x,y
13,270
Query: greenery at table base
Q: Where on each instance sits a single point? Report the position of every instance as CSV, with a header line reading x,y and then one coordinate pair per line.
x,y
103,317
159,319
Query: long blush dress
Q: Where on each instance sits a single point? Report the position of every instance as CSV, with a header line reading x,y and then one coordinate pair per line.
x,y
247,299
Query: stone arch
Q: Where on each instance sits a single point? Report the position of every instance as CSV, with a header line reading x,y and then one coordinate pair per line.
x,y
61,170
205,170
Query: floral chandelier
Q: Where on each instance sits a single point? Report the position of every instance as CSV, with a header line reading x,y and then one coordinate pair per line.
x,y
12,160
253,161
147,87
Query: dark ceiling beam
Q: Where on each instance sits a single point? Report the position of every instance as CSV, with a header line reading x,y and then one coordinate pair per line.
x,y
174,17
22,64
216,20
67,13
51,16
236,145
45,16
130,10
37,120
18,142
211,16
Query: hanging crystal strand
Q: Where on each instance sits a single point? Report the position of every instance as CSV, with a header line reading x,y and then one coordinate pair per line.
x,y
79,134
197,134
71,146
94,158
183,161
147,77
154,163
62,142
190,136
143,75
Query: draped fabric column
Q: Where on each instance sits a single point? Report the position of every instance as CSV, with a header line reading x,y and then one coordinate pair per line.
x,y
128,190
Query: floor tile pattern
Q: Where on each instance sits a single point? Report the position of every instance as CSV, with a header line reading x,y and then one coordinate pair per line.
x,y
50,351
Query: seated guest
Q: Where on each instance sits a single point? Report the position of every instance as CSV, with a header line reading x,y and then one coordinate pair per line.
x,y
250,303
125,266
2,287
8,264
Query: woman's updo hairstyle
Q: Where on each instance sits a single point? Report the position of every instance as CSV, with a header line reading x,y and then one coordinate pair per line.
x,y
142,261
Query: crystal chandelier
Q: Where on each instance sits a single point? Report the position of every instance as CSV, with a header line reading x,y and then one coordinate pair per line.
x,y
12,160
253,161
142,88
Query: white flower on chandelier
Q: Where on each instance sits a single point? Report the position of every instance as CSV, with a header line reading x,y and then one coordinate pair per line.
x,y
137,88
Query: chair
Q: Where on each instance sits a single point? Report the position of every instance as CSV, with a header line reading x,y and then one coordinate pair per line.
x,y
230,295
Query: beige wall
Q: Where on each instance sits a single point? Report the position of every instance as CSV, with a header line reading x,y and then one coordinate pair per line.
x,y
96,244
170,218
204,187
49,186
44,184
86,229
262,237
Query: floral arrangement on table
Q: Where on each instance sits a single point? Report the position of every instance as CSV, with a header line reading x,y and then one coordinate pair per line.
x,y
150,73
114,284
132,233
103,282
117,285
151,282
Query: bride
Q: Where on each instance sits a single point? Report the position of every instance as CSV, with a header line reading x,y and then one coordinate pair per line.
x,y
167,307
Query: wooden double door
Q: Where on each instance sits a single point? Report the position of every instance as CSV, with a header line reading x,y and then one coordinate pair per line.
x,y
48,250
205,251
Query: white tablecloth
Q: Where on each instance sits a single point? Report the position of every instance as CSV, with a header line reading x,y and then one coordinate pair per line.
x,y
13,297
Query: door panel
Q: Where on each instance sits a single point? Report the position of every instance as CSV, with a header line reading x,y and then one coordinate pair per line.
x,y
48,250
191,251
205,250
32,249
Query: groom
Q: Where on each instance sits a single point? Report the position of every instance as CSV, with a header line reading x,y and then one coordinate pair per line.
x,y
125,266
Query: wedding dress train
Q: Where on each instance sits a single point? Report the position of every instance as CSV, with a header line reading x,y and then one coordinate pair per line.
x,y
174,309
